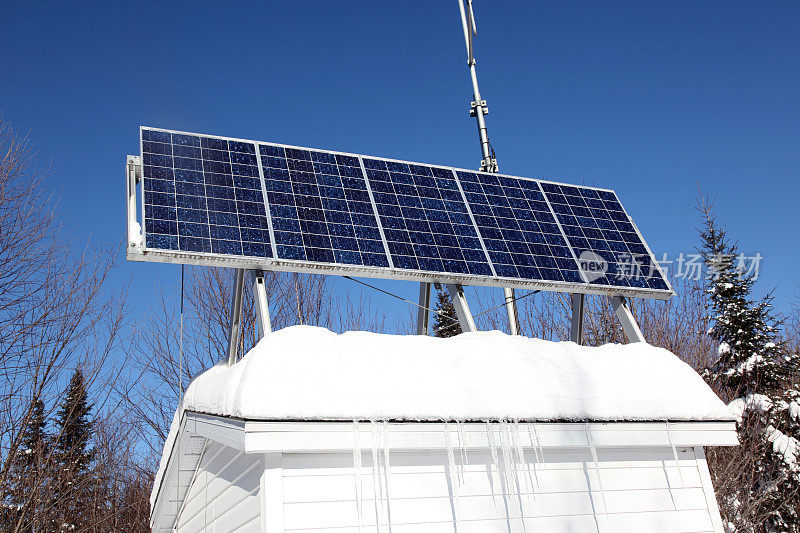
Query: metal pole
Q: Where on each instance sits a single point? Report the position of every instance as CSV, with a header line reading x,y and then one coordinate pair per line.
x,y
629,326
478,107
261,304
511,308
236,316
423,312
479,110
462,307
576,332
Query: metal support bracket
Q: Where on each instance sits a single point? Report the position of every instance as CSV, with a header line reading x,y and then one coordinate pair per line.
x,y
475,104
423,312
489,165
235,326
576,332
133,175
629,326
261,303
462,307
511,308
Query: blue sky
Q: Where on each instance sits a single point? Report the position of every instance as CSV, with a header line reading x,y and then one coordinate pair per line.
x,y
648,99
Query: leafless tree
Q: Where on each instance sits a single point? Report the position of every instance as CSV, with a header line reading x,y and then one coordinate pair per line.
x,y
164,371
56,314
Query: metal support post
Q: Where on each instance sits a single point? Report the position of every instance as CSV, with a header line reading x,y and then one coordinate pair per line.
x,y
261,304
234,328
511,308
423,312
465,319
133,171
576,332
629,326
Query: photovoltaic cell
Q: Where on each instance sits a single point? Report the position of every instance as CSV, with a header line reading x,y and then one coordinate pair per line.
x,y
424,218
600,232
203,194
320,207
518,228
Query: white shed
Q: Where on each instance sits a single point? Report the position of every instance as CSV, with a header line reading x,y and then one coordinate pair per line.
x,y
360,432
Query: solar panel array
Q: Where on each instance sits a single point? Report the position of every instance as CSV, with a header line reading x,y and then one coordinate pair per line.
x,y
213,197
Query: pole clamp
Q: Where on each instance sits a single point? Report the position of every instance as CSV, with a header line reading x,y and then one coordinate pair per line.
x,y
474,105
490,165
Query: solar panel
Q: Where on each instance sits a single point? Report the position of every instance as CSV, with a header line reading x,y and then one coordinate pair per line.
x,y
425,220
522,236
321,208
203,194
233,202
599,230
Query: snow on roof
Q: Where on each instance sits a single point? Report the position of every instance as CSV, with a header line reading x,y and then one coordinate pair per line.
x,y
310,373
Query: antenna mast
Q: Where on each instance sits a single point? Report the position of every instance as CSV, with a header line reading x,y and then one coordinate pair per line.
x,y
479,110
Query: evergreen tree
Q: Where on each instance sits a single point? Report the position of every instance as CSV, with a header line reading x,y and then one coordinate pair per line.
x,y
74,425
35,436
754,367
74,455
22,498
445,322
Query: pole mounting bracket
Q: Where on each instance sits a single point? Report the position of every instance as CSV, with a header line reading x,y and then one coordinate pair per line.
x,y
489,165
474,105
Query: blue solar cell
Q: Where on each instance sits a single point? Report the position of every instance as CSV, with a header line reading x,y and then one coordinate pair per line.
x,y
605,241
422,232
524,240
197,200
315,198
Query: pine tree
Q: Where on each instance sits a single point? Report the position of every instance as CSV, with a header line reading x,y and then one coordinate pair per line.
x,y
23,496
74,455
35,435
754,367
445,323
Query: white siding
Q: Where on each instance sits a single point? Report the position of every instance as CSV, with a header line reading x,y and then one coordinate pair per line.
x,y
643,491
224,494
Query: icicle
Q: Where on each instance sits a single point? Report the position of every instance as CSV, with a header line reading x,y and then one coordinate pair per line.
x,y
492,446
535,446
455,482
512,473
505,449
495,462
377,488
462,440
675,454
357,473
387,474
538,443
593,449
526,464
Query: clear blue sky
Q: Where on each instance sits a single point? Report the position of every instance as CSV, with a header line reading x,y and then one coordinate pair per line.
x,y
648,99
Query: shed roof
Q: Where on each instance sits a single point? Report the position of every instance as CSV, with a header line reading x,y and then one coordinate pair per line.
x,y
310,373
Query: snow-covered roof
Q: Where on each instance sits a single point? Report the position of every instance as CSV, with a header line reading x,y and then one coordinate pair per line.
x,y
306,373
310,373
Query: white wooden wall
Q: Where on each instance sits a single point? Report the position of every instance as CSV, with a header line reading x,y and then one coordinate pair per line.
x,y
643,492
224,494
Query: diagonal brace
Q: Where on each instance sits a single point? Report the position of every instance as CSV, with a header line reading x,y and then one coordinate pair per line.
x,y
235,326
622,309
261,303
465,318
